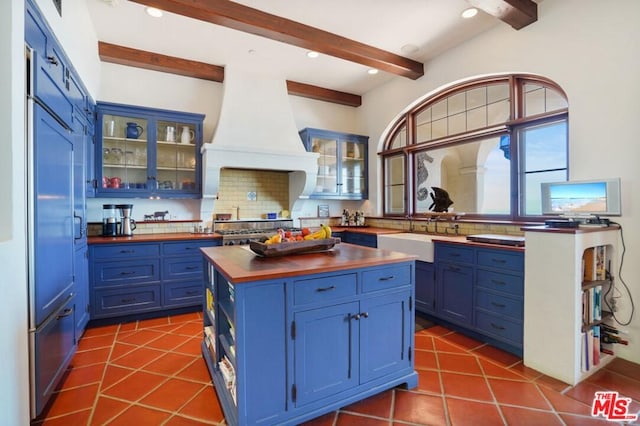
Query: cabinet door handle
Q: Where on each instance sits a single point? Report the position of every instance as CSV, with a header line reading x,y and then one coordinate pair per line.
x,y
131,299
191,268
355,317
127,251
52,60
498,260
192,292
364,314
498,305
497,327
190,248
498,282
65,313
388,278
127,273
320,289
454,254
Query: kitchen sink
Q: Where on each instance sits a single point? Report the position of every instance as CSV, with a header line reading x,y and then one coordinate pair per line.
x,y
420,245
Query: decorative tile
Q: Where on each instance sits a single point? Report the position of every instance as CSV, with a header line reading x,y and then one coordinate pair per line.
x,y
458,363
465,386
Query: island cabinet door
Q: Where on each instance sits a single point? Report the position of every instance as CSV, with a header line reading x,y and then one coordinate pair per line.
x,y
425,287
385,335
325,351
455,292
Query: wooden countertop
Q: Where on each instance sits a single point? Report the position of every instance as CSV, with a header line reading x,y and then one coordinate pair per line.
x,y
240,264
149,238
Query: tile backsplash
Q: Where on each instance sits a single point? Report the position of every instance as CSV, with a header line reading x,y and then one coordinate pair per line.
x,y
271,190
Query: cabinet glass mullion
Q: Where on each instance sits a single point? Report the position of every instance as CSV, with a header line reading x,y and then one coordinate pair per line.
x,y
352,168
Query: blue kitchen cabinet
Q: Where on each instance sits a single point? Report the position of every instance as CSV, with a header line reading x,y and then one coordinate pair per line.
x,y
342,164
425,287
283,351
81,289
455,283
147,152
132,278
481,289
367,240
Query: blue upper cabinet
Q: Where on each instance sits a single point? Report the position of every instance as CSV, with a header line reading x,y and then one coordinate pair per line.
x,y
145,152
342,164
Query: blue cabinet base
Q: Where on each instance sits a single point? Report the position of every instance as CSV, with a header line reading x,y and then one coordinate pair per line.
x,y
297,416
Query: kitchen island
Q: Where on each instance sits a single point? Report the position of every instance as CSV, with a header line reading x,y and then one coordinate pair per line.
x,y
290,338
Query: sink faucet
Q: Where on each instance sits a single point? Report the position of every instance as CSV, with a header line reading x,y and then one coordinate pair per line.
x,y
454,227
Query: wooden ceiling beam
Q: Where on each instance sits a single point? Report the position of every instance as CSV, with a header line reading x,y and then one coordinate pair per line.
x,y
154,61
517,13
243,18
322,94
170,64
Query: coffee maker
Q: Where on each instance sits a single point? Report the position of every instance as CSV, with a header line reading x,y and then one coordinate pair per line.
x,y
109,220
127,224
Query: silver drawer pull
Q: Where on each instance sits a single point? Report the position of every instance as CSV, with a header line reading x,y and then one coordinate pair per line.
x,y
321,289
498,282
498,305
127,251
65,313
497,327
355,317
191,268
129,300
192,292
390,277
498,260
127,273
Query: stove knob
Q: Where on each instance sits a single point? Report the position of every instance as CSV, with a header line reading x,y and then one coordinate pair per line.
x,y
230,243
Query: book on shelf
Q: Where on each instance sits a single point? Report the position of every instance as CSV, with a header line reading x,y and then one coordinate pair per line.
x,y
596,345
600,263
594,264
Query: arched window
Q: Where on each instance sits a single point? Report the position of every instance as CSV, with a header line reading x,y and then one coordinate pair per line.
x,y
488,143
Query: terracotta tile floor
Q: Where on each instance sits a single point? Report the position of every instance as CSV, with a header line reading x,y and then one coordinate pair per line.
x,y
151,373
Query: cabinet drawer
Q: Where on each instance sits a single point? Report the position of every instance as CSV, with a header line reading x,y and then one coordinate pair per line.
x,y
179,268
501,259
385,278
112,302
499,327
450,253
324,289
126,272
182,293
499,304
507,283
126,251
185,248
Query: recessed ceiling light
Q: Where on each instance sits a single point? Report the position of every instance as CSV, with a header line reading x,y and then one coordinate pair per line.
x,y
312,54
373,71
469,13
152,11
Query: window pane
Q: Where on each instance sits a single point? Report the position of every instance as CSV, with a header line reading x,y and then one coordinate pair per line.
x,y
476,97
544,147
394,184
555,100
456,103
497,92
439,129
423,132
477,118
475,175
532,200
400,138
498,112
439,110
539,99
534,102
457,123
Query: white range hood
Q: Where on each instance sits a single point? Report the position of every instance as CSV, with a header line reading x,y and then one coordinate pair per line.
x,y
256,131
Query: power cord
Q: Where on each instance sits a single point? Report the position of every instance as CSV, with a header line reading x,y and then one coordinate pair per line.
x,y
611,306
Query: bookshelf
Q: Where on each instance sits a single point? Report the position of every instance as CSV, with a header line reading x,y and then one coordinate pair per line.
x,y
563,275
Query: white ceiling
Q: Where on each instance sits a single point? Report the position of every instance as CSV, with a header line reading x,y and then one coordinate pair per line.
x,y
433,26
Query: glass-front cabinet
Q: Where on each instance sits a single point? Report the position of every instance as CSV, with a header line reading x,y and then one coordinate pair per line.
x,y
145,152
342,163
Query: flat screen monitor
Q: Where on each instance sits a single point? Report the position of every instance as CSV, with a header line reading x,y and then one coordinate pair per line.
x,y
582,198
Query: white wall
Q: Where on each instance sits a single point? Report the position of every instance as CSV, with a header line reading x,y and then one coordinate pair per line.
x,y
14,377
591,49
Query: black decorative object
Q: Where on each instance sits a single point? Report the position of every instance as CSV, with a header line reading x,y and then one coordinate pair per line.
x,y
58,5
441,200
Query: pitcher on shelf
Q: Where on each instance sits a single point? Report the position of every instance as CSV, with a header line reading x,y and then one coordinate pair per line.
x,y
187,135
